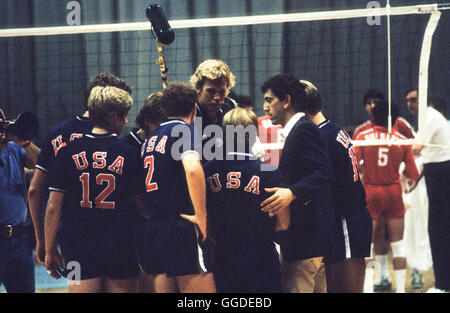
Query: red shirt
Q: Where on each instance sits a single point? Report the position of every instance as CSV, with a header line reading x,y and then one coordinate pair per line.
x,y
268,133
381,163
401,125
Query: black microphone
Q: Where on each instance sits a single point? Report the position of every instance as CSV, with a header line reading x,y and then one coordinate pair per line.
x,y
164,32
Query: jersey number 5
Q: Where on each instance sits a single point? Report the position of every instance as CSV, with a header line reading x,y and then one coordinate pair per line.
x,y
100,199
383,156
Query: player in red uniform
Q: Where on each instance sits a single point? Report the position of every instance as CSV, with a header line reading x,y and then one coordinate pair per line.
x,y
373,97
382,184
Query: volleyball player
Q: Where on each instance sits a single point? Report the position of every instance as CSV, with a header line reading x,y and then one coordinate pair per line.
x,y
57,139
245,257
345,269
371,98
148,119
90,187
212,81
382,184
176,198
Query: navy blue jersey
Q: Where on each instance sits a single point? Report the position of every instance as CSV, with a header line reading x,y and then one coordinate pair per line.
x,y
235,189
59,137
133,139
208,136
347,190
97,173
166,186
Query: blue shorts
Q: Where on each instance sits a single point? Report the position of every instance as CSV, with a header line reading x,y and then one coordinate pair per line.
x,y
170,246
99,253
354,236
242,270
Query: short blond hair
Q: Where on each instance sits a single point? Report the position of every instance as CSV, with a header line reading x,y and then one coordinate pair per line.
x,y
214,70
240,116
105,102
236,138
313,100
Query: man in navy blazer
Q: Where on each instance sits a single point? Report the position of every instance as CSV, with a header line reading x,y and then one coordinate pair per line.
x,y
307,175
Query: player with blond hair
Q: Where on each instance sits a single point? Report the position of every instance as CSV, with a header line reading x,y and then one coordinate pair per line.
x,y
91,184
245,256
345,268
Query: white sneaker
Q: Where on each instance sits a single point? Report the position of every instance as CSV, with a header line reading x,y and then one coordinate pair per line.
x,y
435,290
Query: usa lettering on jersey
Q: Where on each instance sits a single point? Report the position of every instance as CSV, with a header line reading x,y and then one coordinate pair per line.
x,y
234,182
343,138
109,180
58,143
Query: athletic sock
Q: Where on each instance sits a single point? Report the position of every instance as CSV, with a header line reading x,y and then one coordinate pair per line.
x,y
368,281
400,278
382,260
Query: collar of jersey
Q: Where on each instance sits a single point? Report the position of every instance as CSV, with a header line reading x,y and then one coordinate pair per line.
x,y
323,123
174,120
109,135
83,119
200,112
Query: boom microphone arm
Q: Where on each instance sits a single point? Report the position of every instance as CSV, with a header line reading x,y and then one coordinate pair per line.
x,y
164,34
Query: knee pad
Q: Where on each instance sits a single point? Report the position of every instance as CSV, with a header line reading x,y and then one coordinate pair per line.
x,y
398,249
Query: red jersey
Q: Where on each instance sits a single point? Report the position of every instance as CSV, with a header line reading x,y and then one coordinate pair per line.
x,y
401,125
268,133
381,163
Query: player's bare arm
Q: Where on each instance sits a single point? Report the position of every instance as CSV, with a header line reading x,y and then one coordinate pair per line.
x,y
195,178
280,200
37,211
53,260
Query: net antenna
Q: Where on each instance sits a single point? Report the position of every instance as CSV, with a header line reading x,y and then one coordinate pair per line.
x,y
163,34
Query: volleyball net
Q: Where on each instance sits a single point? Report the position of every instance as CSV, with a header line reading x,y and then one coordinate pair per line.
x,y
344,53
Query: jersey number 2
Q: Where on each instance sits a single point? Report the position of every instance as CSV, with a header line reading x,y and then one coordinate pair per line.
x,y
150,163
100,199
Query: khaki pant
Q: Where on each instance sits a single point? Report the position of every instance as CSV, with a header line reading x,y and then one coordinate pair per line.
x,y
305,276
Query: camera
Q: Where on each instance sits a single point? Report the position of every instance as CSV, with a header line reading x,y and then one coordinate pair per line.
x,y
25,126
